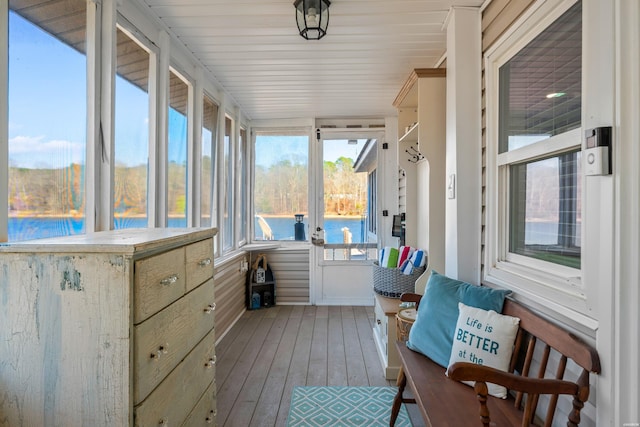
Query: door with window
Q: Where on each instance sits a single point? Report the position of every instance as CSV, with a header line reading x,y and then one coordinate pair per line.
x,y
344,238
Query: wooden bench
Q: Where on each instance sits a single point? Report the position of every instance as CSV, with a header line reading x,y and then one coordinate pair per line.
x,y
443,401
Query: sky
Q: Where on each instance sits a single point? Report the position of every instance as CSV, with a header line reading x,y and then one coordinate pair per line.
x,y
44,117
47,106
47,111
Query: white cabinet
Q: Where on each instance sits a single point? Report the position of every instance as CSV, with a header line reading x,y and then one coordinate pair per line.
x,y
422,146
108,329
384,334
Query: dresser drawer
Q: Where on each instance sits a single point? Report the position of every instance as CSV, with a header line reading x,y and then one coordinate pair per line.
x,y
199,263
173,400
159,280
164,339
205,412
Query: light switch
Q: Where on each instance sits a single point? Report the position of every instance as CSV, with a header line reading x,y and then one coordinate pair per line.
x,y
451,187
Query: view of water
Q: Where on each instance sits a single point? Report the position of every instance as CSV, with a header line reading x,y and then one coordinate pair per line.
x,y
282,227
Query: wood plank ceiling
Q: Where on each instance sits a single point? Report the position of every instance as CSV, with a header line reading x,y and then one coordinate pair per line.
x,y
253,49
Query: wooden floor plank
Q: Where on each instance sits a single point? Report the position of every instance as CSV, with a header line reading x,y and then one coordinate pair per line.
x,y
266,411
336,358
230,389
364,326
317,371
269,352
234,344
356,372
245,403
299,366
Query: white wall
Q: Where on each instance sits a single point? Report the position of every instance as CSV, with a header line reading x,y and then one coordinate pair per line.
x,y
464,144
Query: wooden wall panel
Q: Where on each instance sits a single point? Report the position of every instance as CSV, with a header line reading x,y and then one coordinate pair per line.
x,y
498,17
291,270
230,285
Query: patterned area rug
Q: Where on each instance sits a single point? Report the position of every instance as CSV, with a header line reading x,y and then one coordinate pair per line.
x,y
344,406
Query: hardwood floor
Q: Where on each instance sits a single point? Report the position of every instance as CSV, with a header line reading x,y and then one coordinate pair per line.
x,y
269,351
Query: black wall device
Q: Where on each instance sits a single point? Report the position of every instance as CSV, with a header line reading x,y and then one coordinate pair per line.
x,y
597,152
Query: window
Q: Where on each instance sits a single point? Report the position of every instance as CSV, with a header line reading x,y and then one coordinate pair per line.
x,y
281,185
47,120
177,151
242,192
536,238
228,174
131,133
208,185
347,165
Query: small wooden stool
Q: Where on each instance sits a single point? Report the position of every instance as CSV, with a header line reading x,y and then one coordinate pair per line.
x,y
404,321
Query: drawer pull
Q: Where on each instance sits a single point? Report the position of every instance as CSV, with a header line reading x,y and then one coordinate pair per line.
x,y
379,321
205,262
211,362
169,280
211,417
210,308
163,349
163,422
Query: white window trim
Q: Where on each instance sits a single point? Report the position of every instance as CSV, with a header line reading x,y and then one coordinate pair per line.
x,y
228,166
538,281
296,130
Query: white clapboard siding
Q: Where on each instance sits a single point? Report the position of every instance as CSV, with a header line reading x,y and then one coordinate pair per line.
x,y
291,271
230,293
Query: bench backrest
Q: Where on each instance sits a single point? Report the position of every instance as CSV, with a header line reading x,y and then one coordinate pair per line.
x,y
535,329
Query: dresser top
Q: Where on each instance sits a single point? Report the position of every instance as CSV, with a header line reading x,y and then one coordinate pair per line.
x,y
128,240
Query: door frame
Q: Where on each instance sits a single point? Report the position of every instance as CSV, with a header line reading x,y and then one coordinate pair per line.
x,y
358,270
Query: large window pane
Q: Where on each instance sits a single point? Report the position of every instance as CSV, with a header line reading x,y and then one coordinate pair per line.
x,y
345,192
47,120
545,209
207,191
131,134
540,87
281,185
177,151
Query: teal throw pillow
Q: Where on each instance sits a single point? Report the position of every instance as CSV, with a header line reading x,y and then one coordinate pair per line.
x,y
432,332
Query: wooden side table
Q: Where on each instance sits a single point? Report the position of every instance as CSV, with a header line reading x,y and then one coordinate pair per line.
x,y
404,321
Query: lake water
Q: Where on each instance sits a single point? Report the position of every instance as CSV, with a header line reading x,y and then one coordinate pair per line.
x,y
282,227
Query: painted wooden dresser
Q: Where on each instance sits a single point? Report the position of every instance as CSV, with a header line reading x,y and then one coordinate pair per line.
x,y
108,329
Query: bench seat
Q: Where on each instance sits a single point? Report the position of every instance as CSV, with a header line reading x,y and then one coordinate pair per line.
x,y
444,402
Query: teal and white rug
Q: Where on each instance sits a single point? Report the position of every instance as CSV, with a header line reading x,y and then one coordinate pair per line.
x,y
344,406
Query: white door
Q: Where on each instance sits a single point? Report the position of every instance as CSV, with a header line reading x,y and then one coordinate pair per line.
x,y
344,239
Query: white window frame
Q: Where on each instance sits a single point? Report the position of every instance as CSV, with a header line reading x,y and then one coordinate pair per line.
x,y
229,169
311,217
533,279
143,41
242,192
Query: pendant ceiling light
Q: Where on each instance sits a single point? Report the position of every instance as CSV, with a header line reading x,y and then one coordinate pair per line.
x,y
312,17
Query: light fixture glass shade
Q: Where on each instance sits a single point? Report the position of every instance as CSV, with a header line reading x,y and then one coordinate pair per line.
x,y
312,17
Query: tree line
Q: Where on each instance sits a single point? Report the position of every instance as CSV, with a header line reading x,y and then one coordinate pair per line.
x,y
281,189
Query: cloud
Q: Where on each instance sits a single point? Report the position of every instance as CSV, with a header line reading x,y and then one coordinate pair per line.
x,y
36,151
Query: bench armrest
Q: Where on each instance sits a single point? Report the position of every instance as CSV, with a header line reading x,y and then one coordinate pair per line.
x,y
464,371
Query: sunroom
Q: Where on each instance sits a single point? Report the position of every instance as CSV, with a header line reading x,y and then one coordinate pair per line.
x,y
498,136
